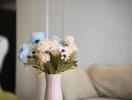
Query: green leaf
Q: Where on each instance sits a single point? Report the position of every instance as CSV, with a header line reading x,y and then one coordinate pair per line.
x,y
54,59
49,67
64,67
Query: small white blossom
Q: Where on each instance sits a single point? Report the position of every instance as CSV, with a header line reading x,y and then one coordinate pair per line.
x,y
69,40
42,46
64,54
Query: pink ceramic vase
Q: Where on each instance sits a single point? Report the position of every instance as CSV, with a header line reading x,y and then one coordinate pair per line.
x,y
53,87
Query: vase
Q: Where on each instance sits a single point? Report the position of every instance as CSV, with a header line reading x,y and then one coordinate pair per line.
x,y
53,87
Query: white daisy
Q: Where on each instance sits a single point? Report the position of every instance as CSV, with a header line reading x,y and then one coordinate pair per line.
x,y
69,40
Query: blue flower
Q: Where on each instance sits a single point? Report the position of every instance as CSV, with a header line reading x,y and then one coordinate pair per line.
x,y
38,36
24,52
57,37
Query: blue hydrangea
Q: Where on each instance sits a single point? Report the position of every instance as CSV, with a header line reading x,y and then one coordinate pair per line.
x,y
57,37
24,52
38,36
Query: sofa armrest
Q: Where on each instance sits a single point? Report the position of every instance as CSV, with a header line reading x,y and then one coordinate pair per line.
x,y
112,80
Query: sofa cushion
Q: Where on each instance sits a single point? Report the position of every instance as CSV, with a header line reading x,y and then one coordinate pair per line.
x,y
112,80
76,84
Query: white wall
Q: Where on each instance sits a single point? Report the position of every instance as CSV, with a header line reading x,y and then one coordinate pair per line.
x,y
102,29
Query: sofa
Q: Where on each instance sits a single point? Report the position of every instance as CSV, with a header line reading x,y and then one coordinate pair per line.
x,y
99,82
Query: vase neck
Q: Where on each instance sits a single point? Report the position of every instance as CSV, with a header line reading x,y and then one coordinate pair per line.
x,y
53,78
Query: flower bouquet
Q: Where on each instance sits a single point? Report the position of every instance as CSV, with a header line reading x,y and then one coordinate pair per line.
x,y
51,57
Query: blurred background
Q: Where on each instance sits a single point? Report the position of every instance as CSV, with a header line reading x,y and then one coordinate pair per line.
x,y
102,31
8,34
